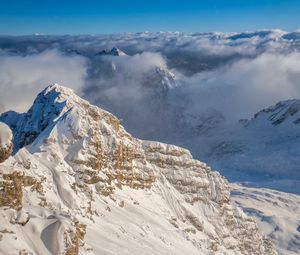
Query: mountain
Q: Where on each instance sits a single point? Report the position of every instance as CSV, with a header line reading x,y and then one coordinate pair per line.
x,y
277,214
262,151
274,34
283,113
113,52
78,183
160,78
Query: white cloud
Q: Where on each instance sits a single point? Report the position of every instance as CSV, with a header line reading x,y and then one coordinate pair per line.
x,y
238,74
121,78
22,77
246,86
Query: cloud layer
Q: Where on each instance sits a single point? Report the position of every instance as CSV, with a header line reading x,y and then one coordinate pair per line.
x,y
234,74
246,86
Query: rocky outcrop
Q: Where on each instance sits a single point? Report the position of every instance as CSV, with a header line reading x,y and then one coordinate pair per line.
x,y
5,152
11,188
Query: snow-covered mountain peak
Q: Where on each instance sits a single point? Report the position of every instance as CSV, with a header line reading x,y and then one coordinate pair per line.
x,y
57,88
113,52
78,177
58,96
284,112
51,103
167,77
117,52
159,80
264,34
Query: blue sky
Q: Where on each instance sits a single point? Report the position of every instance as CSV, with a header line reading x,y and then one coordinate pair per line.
x,y
97,17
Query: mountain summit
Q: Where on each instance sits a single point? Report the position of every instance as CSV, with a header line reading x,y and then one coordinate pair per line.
x,y
78,183
113,52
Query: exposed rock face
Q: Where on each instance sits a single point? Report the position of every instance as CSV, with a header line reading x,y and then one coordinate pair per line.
x,y
11,191
6,142
5,152
89,187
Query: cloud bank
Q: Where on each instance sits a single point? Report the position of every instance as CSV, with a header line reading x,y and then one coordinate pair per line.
x,y
22,77
246,86
235,74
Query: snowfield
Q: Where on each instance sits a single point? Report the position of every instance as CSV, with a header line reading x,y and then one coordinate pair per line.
x,y
277,214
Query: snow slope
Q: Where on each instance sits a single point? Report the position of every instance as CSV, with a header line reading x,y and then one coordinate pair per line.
x,y
277,214
78,183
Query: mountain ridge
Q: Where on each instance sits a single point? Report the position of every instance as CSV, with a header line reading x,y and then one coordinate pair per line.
x,y
82,178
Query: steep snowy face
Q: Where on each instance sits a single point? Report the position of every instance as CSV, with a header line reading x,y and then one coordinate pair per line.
x,y
6,142
283,113
82,185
